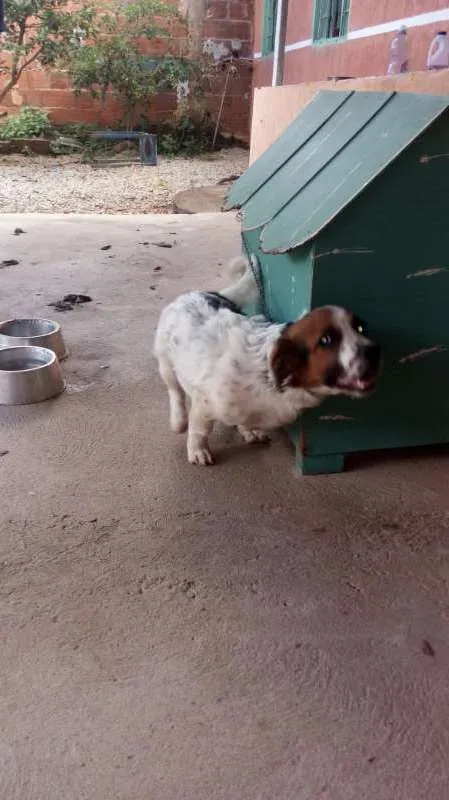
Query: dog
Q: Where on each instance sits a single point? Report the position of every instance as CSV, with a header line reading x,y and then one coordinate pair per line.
x,y
250,373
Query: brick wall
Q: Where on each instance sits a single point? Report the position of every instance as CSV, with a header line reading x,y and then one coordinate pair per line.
x,y
358,57
225,21
221,22
51,89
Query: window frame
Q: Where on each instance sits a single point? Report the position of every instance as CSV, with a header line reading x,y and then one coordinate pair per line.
x,y
269,26
322,18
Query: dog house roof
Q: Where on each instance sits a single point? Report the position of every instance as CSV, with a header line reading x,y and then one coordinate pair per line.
x,y
329,154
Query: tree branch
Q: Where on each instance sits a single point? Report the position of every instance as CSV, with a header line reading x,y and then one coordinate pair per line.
x,y
16,72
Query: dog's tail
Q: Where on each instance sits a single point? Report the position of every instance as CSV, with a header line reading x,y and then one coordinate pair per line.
x,y
245,290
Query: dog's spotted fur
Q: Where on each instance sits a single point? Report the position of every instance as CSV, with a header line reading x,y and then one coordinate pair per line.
x,y
252,374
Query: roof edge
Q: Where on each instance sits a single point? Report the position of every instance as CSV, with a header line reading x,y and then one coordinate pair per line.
x,y
339,96
292,246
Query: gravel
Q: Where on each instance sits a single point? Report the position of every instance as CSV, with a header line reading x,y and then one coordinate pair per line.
x,y
63,185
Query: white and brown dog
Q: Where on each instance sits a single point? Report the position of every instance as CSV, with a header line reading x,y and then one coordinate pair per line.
x,y
250,373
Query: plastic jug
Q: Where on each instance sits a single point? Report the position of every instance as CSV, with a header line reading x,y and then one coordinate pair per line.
x,y
438,55
397,59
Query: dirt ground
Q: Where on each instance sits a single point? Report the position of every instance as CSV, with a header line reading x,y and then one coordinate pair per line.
x,y
231,633
63,185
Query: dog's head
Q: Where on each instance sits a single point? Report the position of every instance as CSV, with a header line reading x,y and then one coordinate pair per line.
x,y
327,352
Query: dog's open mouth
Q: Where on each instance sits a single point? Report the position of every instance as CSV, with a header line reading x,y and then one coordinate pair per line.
x,y
357,385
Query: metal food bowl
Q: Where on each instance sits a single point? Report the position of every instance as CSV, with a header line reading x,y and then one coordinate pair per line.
x,y
33,332
29,375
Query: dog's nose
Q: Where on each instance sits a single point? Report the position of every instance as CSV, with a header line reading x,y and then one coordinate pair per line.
x,y
372,354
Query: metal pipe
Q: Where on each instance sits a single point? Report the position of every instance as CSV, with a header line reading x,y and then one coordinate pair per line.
x,y
279,43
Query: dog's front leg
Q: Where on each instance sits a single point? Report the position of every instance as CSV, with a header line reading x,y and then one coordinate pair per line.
x,y
252,435
200,427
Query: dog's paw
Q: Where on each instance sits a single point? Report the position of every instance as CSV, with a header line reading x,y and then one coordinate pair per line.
x,y
252,436
200,455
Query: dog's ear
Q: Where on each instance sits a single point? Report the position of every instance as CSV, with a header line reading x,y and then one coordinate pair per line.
x,y
289,362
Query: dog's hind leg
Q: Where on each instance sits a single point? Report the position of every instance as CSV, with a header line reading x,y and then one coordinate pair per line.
x,y
176,396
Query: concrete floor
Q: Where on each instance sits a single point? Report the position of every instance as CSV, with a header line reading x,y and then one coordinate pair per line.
x,y
172,633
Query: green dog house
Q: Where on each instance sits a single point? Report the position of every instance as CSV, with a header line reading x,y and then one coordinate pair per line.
x,y
350,206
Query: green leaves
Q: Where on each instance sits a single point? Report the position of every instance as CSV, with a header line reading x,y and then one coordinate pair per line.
x,y
113,61
41,31
27,123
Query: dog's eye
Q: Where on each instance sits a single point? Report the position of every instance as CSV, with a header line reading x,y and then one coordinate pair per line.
x,y
359,326
326,340
330,338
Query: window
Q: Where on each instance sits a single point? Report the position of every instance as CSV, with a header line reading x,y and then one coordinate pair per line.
x,y
269,26
331,19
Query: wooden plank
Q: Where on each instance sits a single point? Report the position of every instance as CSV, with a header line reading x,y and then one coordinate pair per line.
x,y
314,155
312,118
351,171
398,282
274,108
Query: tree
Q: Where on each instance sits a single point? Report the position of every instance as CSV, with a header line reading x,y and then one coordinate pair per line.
x,y
118,60
41,32
106,48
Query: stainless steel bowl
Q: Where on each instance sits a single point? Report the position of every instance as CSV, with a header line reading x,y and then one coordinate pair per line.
x,y
29,375
33,332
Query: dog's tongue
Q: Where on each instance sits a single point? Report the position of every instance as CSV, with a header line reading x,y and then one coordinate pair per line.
x,y
356,384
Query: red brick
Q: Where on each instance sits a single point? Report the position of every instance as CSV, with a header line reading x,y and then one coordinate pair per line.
x,y
35,79
59,80
217,9
29,96
236,104
55,98
111,113
157,47
238,127
236,119
239,10
177,29
237,109
165,102
237,85
65,116
156,117
216,29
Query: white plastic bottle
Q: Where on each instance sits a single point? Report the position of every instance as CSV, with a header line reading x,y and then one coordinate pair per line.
x,y
438,55
397,57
